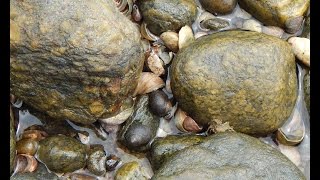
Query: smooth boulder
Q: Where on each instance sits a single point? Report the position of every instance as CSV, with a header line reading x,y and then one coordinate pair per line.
x,y
228,156
73,59
219,6
167,15
245,78
286,14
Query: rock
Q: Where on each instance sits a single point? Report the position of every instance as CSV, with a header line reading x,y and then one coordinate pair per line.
x,y
170,40
164,15
130,170
306,28
12,141
306,84
62,154
229,156
252,25
162,148
242,77
219,6
40,173
214,24
74,60
186,37
141,127
301,48
282,13
273,31
96,162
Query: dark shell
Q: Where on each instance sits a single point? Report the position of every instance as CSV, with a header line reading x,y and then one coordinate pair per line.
x,y
159,103
62,154
137,135
112,162
27,146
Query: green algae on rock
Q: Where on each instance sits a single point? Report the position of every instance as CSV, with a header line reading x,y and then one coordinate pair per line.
x,y
283,13
219,6
164,15
130,170
245,78
12,141
73,59
228,156
141,127
163,148
62,154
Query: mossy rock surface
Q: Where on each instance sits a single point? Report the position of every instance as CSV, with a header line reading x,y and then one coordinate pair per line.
x,y
245,78
73,59
164,15
286,14
62,154
228,156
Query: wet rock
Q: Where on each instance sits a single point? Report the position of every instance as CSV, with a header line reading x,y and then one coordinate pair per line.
x,y
163,15
282,13
228,156
170,40
252,25
162,148
96,160
306,84
273,31
12,141
245,78
62,154
141,127
306,28
75,60
214,24
131,170
219,6
40,173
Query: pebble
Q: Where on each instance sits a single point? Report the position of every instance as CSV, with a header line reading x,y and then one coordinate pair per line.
x,y
252,25
301,49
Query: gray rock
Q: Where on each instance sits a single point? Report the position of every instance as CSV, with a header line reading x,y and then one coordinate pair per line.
x,y
245,78
41,173
73,59
228,156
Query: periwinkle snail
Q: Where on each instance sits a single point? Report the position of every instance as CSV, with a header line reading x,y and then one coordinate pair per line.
x,y
160,104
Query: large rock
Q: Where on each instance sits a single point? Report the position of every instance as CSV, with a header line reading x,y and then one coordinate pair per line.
x,y
73,59
219,6
245,78
286,14
164,15
228,156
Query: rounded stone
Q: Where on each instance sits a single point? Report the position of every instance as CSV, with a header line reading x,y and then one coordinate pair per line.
x,y
164,15
62,154
242,77
219,6
228,156
282,13
73,59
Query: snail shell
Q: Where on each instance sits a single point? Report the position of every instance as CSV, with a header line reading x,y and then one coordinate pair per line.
x,y
159,103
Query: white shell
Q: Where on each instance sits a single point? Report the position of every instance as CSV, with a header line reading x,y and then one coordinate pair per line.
x,y
301,48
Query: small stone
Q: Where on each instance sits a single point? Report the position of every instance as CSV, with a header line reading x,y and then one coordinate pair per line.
x,y
273,31
219,6
214,24
155,64
252,25
185,37
170,40
131,170
301,48
96,160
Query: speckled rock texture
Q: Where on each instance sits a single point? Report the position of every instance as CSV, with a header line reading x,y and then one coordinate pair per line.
x,y
245,78
62,154
12,141
130,171
286,14
228,156
219,6
164,15
73,59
